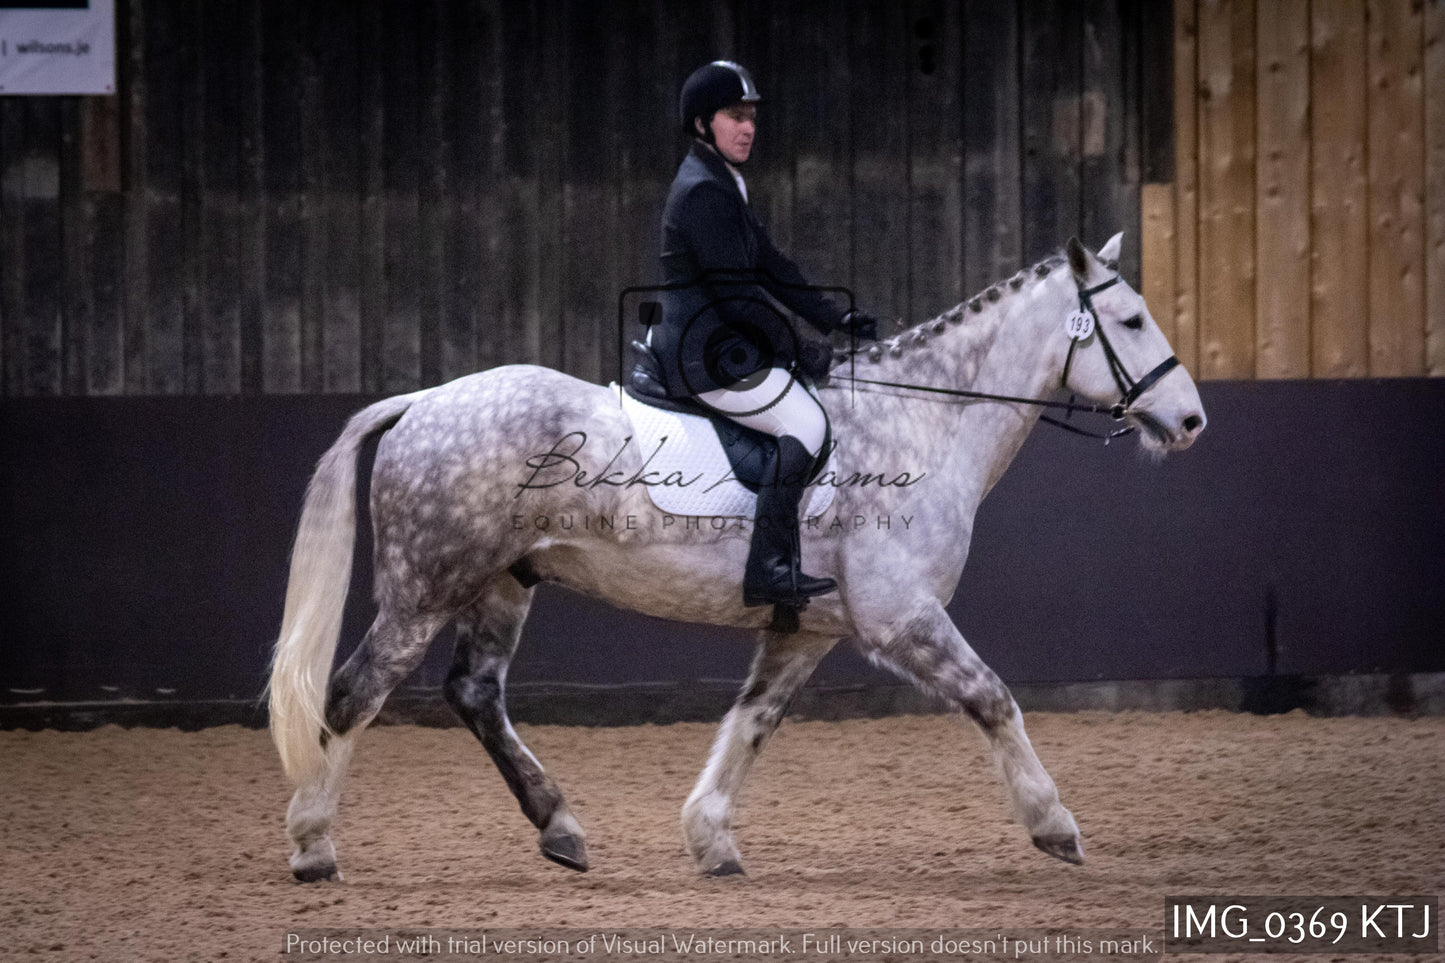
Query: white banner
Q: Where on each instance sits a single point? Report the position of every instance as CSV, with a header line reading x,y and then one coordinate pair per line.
x,y
57,47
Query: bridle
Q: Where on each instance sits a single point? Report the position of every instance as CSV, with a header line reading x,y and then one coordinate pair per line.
x,y
1129,389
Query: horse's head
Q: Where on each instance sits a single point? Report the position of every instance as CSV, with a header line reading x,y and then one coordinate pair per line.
x,y
1115,354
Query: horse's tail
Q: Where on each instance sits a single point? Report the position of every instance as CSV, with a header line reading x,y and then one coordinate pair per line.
x,y
316,594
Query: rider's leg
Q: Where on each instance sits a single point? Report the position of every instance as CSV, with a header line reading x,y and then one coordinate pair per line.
x,y
781,406
777,405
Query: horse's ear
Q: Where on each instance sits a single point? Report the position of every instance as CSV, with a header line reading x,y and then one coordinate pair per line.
x,y
1079,259
1110,252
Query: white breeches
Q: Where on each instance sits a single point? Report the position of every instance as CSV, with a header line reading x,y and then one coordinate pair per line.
x,y
779,405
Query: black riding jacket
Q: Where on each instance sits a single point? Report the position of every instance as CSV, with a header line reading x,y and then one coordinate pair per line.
x,y
714,330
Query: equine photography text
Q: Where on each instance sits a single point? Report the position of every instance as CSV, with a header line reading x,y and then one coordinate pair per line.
x,y
829,524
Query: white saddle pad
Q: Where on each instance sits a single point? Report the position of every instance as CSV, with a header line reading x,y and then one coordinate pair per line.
x,y
687,449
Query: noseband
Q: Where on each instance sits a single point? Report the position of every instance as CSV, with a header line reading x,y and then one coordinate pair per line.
x,y
1129,389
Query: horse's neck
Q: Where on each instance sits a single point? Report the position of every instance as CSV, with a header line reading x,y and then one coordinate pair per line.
x,y
1013,366
997,351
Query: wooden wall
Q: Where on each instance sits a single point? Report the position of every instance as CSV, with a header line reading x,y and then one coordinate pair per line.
x,y
1303,234
333,196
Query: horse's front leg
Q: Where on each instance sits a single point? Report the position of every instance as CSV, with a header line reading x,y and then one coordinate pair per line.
x,y
928,650
783,663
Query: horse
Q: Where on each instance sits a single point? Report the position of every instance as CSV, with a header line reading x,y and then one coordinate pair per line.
x,y
451,476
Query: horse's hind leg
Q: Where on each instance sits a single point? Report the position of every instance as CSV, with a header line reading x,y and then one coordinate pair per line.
x,y
487,634
393,647
931,652
783,663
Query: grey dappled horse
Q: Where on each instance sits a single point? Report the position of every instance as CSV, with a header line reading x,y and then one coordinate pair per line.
x,y
449,478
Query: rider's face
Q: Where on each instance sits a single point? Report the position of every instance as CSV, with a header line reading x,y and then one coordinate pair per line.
x,y
732,130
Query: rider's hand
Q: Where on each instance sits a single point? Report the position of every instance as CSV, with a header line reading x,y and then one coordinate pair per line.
x,y
860,325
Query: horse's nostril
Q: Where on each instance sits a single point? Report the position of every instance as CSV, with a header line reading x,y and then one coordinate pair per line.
x,y
1193,423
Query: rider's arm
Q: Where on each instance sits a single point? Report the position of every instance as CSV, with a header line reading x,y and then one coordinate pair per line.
x,y
788,285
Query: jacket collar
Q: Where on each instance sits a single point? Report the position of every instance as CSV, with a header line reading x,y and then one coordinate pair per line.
x,y
715,165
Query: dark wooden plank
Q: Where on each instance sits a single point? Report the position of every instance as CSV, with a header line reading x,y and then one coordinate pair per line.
x,y
44,250
314,36
77,300
648,154
619,245
1052,137
191,267
166,42
518,228
401,355
818,91
772,173
371,144
549,131
12,247
223,76
935,159
629,98
104,347
490,253
281,25
102,238
136,332
1156,91
101,158
1108,127
337,157
992,202
588,204
433,175
251,207
881,44
466,154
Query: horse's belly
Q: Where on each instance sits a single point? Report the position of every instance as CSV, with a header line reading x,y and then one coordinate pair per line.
x,y
670,581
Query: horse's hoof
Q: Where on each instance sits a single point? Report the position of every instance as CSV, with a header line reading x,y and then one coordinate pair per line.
x,y
327,873
1066,848
728,867
566,850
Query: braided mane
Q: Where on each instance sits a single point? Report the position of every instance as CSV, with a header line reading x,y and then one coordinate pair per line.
x,y
918,336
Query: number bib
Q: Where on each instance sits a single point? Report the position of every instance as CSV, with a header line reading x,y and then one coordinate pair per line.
x,y
1079,325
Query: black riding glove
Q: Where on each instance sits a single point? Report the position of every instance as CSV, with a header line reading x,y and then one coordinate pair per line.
x,y
860,325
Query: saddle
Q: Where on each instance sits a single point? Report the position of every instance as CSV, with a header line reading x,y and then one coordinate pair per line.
x,y
746,453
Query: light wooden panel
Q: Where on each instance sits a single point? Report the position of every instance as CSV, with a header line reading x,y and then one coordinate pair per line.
x,y
1282,225
1339,299
1226,188
1397,187
1186,185
1435,188
1157,258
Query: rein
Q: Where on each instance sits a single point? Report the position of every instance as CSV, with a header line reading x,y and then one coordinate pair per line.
x,y
1129,389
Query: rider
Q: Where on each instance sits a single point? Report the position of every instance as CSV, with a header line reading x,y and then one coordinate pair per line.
x,y
722,342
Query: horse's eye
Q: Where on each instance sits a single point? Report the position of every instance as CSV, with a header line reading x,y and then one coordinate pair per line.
x,y
1135,323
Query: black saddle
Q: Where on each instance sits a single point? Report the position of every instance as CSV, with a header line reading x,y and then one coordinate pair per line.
x,y
749,452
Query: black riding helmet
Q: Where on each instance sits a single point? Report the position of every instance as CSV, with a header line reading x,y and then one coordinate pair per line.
x,y
712,87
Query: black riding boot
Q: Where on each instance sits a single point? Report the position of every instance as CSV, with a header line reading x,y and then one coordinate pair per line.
x,y
773,574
